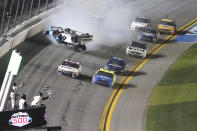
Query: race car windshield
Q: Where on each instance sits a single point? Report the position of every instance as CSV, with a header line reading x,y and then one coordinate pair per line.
x,y
139,45
147,30
167,23
105,74
70,64
116,62
142,20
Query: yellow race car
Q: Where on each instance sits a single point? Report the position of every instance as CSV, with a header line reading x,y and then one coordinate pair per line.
x,y
167,26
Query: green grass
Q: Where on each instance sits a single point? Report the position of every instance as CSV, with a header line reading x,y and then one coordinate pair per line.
x,y
173,106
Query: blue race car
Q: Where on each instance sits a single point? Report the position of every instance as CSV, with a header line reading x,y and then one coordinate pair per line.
x,y
104,77
118,65
148,34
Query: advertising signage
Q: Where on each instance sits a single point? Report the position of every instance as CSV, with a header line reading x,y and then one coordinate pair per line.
x,y
20,119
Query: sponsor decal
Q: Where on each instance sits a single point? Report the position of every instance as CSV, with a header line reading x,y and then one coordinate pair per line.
x,y
20,119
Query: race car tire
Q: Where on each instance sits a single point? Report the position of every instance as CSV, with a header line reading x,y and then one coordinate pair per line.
x,y
83,47
59,72
143,57
77,47
74,75
154,40
68,29
46,32
86,34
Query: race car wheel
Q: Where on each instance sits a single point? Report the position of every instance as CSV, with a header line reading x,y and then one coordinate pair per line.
x,y
155,40
74,75
46,32
86,34
67,30
83,47
59,72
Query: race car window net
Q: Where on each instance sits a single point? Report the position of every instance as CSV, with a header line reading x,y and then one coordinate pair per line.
x,y
167,23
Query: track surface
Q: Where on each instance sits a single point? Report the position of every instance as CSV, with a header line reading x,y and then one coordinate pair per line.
x,y
77,104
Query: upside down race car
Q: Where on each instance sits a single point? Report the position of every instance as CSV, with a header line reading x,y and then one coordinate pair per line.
x,y
104,77
69,67
118,65
69,37
167,26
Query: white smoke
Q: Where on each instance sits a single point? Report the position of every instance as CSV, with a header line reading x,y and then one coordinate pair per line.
x,y
108,21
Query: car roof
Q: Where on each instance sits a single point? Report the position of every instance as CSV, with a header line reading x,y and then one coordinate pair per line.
x,y
167,20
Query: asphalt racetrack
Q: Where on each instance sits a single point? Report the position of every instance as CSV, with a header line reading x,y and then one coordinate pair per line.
x,y
77,104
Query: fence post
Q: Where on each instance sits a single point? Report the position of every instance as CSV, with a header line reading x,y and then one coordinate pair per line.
x,y
31,9
38,7
55,3
3,17
46,5
16,13
10,15
22,11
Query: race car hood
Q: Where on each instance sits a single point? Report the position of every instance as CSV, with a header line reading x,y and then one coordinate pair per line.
x,y
102,77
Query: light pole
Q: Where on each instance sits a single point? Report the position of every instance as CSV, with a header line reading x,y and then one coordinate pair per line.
x,y
12,71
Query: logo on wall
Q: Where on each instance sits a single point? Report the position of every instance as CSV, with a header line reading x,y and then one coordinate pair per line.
x,y
20,119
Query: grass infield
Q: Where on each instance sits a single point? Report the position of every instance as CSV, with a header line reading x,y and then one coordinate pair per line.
x,y
173,106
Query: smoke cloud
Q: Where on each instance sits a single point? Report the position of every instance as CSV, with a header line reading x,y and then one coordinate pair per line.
x,y
108,21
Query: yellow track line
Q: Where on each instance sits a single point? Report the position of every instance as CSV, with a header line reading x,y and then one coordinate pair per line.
x,y
102,123
112,95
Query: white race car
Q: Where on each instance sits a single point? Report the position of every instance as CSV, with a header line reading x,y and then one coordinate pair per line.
x,y
70,67
140,22
137,49
69,37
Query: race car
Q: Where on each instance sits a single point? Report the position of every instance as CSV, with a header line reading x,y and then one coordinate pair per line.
x,y
69,37
137,49
140,22
118,65
167,26
70,67
104,77
148,34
